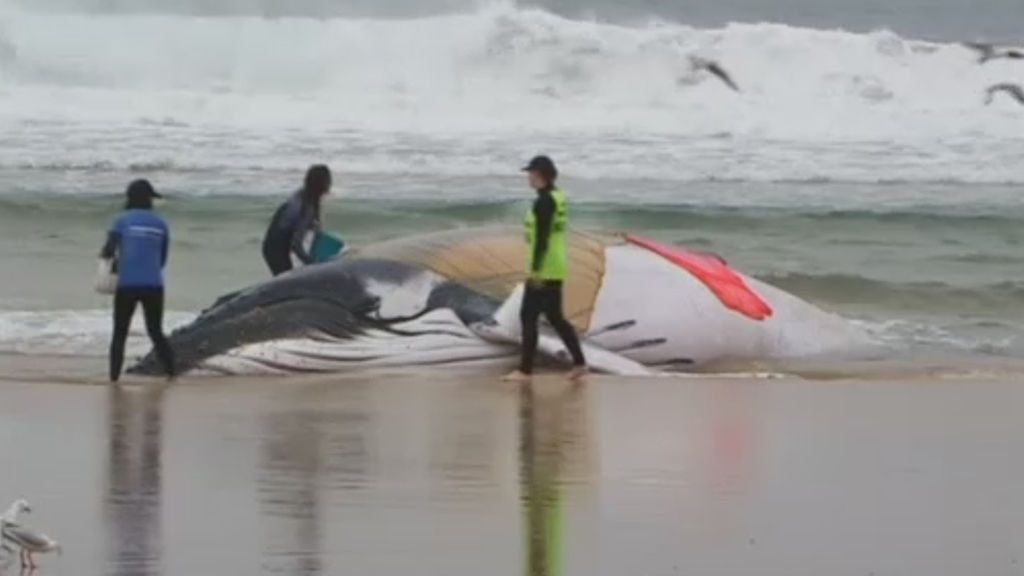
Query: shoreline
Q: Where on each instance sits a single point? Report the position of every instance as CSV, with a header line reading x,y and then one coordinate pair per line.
x,y
91,370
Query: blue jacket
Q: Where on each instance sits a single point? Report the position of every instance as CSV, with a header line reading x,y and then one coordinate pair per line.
x,y
139,240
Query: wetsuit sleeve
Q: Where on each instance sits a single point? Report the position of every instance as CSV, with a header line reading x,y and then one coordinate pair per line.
x,y
544,213
110,247
302,227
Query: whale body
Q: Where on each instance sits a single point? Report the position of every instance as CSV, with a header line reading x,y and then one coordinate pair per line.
x,y
452,298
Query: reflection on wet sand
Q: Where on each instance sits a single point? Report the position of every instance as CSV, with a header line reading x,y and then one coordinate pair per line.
x,y
289,490
467,477
331,461
307,451
550,432
134,490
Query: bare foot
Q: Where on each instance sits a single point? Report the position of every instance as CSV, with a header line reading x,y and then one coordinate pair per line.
x,y
517,376
578,373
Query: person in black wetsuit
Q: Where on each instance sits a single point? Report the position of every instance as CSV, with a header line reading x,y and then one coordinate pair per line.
x,y
139,241
547,237
293,220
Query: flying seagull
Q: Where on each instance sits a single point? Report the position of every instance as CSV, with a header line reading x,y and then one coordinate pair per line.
x,y
698,63
988,52
1013,90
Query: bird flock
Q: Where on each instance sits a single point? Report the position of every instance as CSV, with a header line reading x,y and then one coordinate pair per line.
x,y
986,53
989,52
16,538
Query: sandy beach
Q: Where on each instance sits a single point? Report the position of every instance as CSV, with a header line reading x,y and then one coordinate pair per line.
x,y
428,473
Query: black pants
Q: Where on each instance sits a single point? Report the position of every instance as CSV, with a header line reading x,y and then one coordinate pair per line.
x,y
125,300
278,258
546,298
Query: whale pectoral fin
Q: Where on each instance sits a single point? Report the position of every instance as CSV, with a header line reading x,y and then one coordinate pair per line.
x,y
503,328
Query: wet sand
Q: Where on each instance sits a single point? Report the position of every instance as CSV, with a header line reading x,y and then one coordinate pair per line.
x,y
430,473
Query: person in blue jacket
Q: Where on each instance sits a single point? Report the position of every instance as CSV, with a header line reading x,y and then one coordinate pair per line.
x,y
293,220
138,242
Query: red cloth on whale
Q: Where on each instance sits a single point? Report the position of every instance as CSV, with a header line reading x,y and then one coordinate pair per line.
x,y
713,272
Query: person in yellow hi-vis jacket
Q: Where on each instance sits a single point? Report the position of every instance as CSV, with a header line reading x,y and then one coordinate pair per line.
x,y
546,231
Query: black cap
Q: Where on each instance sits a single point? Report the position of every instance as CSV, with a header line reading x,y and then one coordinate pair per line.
x,y
141,188
542,165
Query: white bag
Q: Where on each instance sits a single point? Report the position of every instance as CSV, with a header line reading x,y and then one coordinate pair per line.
x,y
106,278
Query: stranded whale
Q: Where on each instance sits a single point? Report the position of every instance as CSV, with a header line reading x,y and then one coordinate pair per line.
x,y
452,298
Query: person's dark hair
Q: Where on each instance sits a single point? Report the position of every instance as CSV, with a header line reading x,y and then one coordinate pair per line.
x,y
317,183
140,195
545,167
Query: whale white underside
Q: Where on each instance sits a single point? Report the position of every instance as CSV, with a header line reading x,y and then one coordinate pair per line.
x,y
438,337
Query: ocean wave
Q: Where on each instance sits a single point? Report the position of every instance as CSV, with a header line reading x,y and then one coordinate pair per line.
x,y
696,221
432,163
120,166
510,59
981,338
472,93
70,332
1000,299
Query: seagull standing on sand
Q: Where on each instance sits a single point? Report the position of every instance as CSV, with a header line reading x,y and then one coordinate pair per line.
x,y
697,63
11,516
17,508
988,52
1013,90
30,542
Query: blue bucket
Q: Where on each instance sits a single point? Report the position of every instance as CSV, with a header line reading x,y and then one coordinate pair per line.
x,y
325,247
